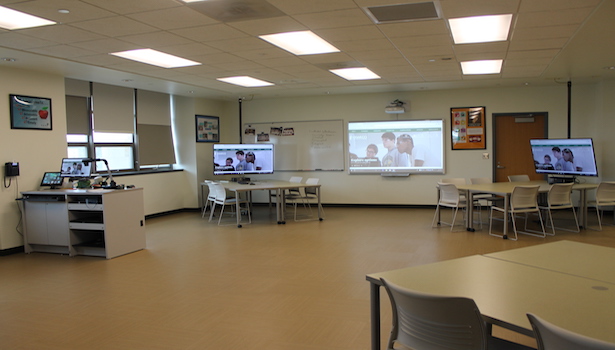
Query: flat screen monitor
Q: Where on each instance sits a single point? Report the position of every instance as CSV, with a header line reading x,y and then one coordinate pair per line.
x,y
52,179
239,159
76,167
573,157
396,147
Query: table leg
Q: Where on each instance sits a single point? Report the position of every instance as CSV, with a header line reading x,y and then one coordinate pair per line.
x,y
506,205
470,210
319,204
374,299
237,208
583,208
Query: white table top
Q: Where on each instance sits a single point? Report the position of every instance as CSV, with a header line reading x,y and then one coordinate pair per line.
x,y
505,291
264,185
504,188
579,259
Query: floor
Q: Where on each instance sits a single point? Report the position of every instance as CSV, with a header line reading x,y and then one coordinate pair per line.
x,y
264,286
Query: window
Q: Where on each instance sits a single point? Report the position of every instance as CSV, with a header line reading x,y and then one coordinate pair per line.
x,y
101,124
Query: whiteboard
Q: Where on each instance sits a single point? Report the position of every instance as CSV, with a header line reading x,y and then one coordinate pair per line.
x,y
303,145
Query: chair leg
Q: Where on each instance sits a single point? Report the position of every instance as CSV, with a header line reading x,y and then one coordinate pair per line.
x,y
213,208
433,222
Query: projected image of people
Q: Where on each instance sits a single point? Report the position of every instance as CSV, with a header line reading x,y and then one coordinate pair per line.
x,y
393,158
404,147
371,155
243,164
252,163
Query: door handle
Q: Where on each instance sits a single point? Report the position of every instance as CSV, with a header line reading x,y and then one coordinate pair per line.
x,y
501,167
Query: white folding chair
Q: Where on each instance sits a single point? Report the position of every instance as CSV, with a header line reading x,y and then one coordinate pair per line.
x,y
552,337
222,200
518,178
605,197
307,198
449,198
209,201
523,200
559,197
293,191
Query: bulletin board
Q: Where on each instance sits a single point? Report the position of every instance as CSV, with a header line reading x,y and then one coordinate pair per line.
x,y
468,128
301,145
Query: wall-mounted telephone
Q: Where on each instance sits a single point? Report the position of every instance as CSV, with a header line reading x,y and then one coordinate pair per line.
x,y
11,169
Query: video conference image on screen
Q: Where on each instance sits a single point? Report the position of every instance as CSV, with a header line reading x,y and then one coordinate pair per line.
x,y
564,156
243,159
389,147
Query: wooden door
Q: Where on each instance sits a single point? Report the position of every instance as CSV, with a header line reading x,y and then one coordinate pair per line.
x,y
511,143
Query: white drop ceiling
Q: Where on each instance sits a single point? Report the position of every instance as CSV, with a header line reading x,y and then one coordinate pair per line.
x,y
551,42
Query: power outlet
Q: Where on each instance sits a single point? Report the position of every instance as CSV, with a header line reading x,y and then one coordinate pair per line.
x,y
485,155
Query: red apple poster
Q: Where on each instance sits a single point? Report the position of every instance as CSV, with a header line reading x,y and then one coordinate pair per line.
x,y
30,112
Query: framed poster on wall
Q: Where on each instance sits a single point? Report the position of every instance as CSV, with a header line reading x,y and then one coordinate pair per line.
x,y
468,128
29,112
207,128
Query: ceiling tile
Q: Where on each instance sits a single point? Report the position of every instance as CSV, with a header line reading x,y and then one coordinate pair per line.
x,y
65,51
538,44
190,50
467,8
553,5
268,26
106,45
115,26
553,18
213,32
295,7
334,19
416,28
20,41
125,7
361,45
173,18
531,33
334,35
241,44
155,40
61,33
79,11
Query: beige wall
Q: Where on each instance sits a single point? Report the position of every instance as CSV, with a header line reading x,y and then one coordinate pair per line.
x,y
38,151
339,187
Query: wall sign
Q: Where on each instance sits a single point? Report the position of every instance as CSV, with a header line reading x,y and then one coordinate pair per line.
x,y
29,112
468,128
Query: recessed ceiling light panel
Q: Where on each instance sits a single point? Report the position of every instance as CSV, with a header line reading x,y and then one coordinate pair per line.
x,y
300,43
360,73
245,81
481,67
155,58
11,19
480,29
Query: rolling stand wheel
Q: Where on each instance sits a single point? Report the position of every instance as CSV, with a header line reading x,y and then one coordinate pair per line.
x,y
320,219
239,226
471,229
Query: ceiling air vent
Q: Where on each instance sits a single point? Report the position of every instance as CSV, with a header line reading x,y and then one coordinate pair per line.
x,y
403,13
236,10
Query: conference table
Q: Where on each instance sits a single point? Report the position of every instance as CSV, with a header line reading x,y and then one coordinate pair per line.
x,y
504,189
509,284
278,186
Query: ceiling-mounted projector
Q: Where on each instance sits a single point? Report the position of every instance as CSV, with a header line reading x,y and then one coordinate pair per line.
x,y
394,110
395,107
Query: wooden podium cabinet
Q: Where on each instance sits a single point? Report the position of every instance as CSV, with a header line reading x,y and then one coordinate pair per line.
x,y
105,223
